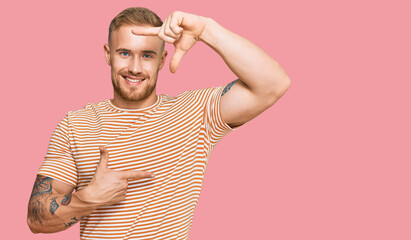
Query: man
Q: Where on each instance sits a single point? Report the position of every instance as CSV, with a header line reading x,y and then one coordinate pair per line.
x,y
137,161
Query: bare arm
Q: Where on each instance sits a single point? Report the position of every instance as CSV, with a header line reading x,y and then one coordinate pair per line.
x,y
53,207
261,81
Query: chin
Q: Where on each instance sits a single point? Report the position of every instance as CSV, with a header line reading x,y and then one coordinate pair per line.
x,y
134,96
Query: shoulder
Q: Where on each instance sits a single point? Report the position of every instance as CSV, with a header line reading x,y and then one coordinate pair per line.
x,y
90,110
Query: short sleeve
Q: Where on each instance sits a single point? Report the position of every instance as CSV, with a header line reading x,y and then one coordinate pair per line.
x,y
215,125
59,162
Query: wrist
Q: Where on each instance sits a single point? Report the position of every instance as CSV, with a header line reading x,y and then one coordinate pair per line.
x,y
206,34
85,197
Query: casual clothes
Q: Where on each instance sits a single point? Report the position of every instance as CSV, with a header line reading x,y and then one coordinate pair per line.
x,y
172,138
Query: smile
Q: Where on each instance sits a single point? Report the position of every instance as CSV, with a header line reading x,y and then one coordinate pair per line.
x,y
134,80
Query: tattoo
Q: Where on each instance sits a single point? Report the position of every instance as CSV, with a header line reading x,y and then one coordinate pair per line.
x,y
41,186
36,211
74,221
66,200
42,189
53,205
228,87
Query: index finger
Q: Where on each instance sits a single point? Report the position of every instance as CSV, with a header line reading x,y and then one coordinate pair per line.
x,y
146,31
135,174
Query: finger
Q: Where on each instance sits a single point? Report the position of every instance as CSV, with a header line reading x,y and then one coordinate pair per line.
x,y
146,31
136,174
176,59
167,38
168,31
163,36
103,157
175,26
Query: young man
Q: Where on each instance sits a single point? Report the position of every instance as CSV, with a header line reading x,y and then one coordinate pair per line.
x,y
137,161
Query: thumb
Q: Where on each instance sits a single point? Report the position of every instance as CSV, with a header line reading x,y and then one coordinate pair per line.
x,y
176,59
103,158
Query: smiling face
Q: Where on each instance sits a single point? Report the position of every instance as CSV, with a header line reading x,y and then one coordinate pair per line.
x,y
135,62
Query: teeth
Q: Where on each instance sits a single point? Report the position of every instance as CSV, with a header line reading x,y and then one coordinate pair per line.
x,y
134,80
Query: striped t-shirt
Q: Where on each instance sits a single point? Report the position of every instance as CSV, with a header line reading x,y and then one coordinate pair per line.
x,y
172,138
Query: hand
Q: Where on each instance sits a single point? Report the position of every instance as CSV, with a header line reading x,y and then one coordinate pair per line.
x,y
181,29
110,186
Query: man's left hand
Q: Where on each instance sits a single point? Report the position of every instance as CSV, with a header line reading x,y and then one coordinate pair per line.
x,y
181,29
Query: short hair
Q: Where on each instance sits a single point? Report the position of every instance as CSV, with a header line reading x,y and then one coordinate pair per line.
x,y
134,16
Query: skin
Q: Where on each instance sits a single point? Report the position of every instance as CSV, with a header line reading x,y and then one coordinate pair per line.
x,y
134,57
136,52
54,207
260,84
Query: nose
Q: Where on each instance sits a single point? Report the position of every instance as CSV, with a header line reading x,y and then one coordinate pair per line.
x,y
135,66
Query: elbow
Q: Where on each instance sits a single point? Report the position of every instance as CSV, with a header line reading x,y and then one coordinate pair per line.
x,y
278,89
37,226
32,227
31,221
285,85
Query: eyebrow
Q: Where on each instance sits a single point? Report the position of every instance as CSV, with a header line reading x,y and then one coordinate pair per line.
x,y
128,50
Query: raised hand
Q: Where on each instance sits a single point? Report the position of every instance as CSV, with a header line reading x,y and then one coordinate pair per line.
x,y
181,29
110,186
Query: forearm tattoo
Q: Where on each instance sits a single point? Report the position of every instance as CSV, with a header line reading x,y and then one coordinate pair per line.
x,y
42,190
66,200
228,87
73,221
42,200
53,205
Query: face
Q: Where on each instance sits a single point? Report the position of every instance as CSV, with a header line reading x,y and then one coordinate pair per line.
x,y
135,62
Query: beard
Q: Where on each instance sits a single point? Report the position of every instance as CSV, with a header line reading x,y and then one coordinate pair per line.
x,y
134,93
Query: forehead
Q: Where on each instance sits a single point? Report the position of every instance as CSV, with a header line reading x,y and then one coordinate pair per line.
x,y
124,38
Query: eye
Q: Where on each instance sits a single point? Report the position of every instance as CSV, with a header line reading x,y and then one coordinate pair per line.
x,y
146,55
124,54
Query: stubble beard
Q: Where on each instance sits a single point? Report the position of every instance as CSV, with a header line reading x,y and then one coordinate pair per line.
x,y
134,96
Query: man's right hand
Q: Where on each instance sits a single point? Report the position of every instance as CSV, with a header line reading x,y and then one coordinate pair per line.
x,y
53,207
110,186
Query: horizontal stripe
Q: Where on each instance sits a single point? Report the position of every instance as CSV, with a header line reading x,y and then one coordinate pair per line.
x,y
172,138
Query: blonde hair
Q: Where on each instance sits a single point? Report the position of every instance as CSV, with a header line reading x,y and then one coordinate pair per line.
x,y
134,16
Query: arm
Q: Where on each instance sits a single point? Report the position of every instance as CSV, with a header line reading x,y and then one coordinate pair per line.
x,y
261,81
53,207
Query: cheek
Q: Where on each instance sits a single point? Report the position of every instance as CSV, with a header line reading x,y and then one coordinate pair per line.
x,y
151,67
119,63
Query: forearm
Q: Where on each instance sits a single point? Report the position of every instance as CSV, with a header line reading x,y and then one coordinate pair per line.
x,y
256,69
48,213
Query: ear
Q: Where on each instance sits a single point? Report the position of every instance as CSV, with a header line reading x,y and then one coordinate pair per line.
x,y
107,53
163,59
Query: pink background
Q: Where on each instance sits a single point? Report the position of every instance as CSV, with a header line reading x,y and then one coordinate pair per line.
x,y
331,160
